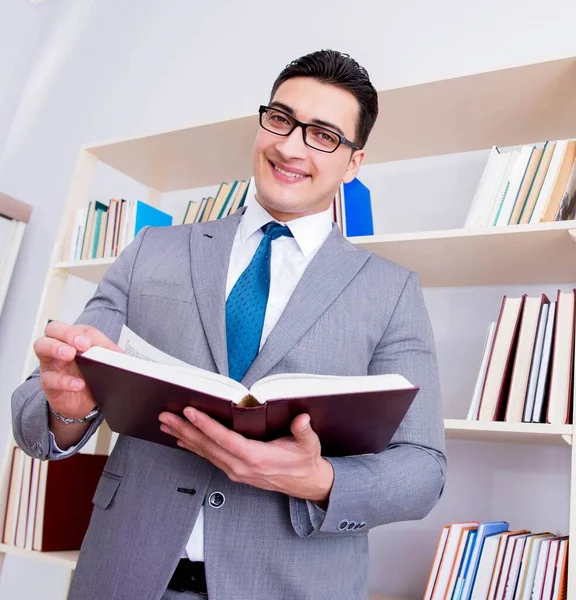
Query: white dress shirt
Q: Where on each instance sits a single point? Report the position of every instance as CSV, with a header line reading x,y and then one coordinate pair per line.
x,y
289,259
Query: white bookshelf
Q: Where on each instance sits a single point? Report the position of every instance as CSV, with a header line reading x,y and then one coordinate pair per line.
x,y
508,107
15,215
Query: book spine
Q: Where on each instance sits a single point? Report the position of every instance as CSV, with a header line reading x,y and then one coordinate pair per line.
x,y
250,422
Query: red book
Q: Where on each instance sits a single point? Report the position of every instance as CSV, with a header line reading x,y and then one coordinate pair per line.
x,y
351,415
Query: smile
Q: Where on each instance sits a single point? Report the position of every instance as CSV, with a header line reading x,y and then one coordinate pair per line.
x,y
288,173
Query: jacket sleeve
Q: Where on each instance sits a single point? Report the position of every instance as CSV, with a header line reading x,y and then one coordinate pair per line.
x,y
405,481
106,311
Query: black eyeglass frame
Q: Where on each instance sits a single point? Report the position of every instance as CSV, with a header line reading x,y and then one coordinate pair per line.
x,y
341,139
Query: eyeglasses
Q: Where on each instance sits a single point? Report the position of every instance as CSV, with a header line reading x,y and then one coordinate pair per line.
x,y
317,137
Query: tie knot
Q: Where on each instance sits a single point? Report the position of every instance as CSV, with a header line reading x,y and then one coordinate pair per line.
x,y
274,230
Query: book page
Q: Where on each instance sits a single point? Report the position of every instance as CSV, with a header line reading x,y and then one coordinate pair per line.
x,y
294,385
135,346
141,357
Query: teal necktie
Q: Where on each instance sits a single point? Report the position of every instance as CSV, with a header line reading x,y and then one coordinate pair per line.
x,y
246,304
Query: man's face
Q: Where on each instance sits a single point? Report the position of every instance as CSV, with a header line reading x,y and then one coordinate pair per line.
x,y
292,179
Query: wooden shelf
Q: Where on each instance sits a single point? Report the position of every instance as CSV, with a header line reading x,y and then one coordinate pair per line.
x,y
91,270
518,254
519,433
515,254
513,106
63,559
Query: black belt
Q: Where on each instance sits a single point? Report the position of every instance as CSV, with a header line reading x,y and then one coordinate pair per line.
x,y
189,577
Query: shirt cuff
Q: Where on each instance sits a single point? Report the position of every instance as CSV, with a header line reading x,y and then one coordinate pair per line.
x,y
317,515
54,450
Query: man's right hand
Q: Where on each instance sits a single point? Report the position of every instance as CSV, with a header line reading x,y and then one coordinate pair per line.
x,y
60,378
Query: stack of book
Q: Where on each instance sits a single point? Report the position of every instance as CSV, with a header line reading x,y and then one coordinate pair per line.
x,y
487,561
49,503
103,230
228,199
527,369
534,184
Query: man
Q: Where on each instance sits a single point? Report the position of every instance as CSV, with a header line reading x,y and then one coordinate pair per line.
x,y
231,517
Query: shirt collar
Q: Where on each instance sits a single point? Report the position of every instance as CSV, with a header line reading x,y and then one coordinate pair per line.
x,y
310,231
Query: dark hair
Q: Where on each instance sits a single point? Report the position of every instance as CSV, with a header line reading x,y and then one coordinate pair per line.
x,y
337,68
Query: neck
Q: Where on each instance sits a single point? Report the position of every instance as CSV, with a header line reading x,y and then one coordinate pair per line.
x,y
285,217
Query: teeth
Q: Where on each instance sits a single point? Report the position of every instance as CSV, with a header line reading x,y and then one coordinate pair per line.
x,y
294,175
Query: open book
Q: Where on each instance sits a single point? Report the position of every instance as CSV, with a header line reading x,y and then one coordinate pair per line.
x,y
351,415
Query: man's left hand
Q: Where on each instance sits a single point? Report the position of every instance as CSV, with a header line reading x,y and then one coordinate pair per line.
x,y
291,465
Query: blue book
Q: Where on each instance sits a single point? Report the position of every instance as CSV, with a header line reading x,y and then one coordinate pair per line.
x,y
464,565
357,209
484,530
149,215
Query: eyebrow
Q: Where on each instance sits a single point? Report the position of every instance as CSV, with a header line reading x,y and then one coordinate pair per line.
x,y
290,111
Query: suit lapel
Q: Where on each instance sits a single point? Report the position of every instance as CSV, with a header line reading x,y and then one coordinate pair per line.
x,y
210,248
329,272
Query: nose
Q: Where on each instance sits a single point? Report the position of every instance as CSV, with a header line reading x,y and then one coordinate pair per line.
x,y
293,146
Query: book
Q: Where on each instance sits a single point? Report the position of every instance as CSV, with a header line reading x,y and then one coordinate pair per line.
x,y
358,208
496,383
562,361
528,330
484,531
351,415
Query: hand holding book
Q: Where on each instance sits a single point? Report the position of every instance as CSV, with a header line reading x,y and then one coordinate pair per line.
x,y
290,465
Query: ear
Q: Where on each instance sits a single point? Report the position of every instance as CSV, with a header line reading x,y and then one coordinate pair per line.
x,y
353,166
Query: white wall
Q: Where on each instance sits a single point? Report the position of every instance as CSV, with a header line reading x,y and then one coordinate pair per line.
x,y
80,71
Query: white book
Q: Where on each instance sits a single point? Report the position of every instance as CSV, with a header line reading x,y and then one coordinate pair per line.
x,y
549,181
500,588
535,366
514,570
504,183
78,234
490,189
480,194
34,483
531,566
475,404
24,502
550,573
524,561
514,182
540,570
486,567
436,563
537,414
448,558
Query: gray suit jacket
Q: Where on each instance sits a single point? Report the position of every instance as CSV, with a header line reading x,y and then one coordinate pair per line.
x,y
353,313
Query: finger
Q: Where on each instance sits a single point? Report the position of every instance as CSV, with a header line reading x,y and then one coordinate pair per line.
x,y
81,337
52,349
302,430
204,444
225,438
51,381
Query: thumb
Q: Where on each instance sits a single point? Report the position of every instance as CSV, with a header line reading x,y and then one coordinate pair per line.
x,y
302,430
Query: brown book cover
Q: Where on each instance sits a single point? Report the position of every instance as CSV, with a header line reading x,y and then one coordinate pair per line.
x,y
359,418
493,401
65,501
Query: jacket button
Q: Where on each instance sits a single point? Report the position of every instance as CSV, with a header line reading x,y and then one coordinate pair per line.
x,y
342,525
351,525
216,500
